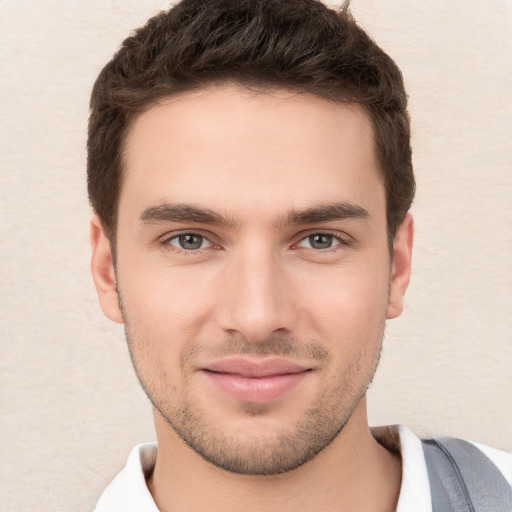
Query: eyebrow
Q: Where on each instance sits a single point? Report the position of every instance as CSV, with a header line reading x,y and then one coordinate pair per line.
x,y
325,213
176,212
170,212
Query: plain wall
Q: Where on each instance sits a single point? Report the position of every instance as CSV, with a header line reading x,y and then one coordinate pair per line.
x,y
70,405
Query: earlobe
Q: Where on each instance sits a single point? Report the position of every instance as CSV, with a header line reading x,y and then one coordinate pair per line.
x,y
103,274
400,267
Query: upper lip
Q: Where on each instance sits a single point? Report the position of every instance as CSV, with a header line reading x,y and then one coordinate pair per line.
x,y
254,368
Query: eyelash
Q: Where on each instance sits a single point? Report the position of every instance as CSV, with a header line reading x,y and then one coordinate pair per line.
x,y
344,242
165,242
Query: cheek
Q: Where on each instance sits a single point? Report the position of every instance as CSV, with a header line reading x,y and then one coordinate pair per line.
x,y
346,306
356,289
167,303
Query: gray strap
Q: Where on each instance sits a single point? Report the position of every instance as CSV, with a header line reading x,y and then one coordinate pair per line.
x,y
463,479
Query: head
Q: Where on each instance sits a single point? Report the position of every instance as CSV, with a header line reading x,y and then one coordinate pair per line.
x,y
249,167
302,47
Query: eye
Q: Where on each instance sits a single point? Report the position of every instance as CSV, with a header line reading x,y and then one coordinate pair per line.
x,y
189,242
320,241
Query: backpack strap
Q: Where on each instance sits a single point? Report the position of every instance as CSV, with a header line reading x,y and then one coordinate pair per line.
x,y
463,479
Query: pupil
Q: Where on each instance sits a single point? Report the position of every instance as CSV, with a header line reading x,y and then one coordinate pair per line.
x,y
191,241
320,241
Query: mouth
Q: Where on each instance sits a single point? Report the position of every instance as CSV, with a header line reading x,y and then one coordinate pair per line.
x,y
256,381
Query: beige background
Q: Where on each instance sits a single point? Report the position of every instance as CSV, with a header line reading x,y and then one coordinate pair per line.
x,y
70,406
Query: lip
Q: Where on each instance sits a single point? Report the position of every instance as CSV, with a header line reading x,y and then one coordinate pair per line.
x,y
256,381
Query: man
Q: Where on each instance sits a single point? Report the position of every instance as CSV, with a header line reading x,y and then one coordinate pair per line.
x,y
250,172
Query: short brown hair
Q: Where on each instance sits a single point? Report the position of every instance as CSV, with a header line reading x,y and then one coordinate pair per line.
x,y
299,45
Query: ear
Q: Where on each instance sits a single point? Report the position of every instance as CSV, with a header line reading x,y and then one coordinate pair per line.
x,y
103,274
400,267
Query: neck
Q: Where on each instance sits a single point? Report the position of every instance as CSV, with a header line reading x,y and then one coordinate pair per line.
x,y
353,473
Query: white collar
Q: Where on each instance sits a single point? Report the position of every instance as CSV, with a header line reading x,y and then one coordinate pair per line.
x,y
415,488
128,491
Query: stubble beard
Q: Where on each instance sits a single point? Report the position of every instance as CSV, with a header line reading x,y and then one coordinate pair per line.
x,y
278,450
275,452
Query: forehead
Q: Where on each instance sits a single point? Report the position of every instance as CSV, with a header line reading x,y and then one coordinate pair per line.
x,y
242,152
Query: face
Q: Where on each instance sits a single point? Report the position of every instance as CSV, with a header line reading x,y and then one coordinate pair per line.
x,y
253,271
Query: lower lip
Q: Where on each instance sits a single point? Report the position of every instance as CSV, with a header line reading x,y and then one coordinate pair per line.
x,y
256,390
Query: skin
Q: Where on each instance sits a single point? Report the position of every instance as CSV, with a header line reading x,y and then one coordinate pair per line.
x,y
260,286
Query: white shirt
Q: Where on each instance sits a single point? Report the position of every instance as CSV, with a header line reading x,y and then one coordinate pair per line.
x,y
128,492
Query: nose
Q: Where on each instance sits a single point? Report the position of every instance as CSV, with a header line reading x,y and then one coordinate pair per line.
x,y
257,297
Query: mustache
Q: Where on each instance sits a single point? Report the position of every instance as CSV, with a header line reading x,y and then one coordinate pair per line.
x,y
274,345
